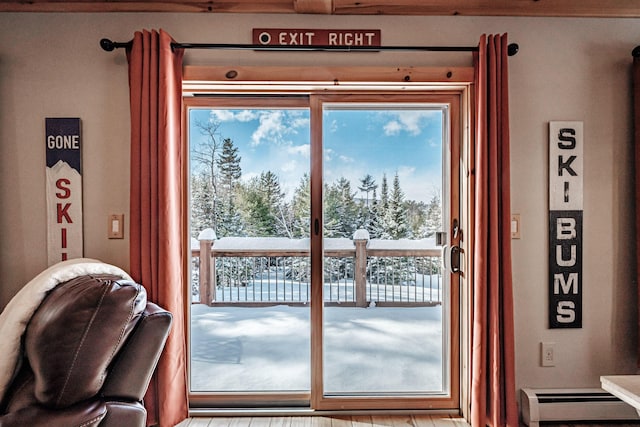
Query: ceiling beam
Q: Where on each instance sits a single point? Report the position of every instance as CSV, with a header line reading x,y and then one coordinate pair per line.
x,y
543,8
548,8
313,6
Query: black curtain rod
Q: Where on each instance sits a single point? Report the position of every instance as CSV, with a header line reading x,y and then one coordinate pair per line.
x,y
109,45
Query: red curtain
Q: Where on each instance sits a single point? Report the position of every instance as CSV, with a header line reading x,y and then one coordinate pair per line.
x,y
636,138
156,258
493,394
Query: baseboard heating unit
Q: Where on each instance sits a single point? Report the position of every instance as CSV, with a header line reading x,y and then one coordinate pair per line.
x,y
577,404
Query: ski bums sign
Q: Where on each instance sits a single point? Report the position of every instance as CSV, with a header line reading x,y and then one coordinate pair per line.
x,y
63,189
565,224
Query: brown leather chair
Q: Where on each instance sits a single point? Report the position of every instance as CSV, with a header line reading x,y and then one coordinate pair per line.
x,y
89,352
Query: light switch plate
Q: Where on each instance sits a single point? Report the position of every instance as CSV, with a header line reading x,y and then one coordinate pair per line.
x,y
515,226
116,226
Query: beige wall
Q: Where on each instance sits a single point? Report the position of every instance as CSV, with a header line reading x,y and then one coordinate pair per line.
x,y
567,69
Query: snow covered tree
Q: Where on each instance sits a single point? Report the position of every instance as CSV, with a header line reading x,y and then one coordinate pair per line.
x,y
367,185
229,166
229,170
384,196
340,209
374,225
301,207
202,214
263,208
396,215
274,197
416,217
255,210
433,219
204,157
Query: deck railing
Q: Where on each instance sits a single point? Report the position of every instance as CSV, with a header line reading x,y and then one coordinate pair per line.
x,y
360,272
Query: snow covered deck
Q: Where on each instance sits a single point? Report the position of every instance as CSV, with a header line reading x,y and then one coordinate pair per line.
x,y
367,350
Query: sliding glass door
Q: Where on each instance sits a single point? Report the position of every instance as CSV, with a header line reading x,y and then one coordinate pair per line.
x,y
383,196
387,304
250,331
317,279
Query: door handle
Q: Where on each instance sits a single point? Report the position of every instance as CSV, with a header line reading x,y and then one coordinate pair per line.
x,y
454,259
451,258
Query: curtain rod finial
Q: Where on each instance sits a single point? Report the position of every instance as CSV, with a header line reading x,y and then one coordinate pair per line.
x,y
636,52
107,45
512,49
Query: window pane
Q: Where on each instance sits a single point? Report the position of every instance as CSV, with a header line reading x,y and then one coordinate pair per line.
x,y
249,186
383,323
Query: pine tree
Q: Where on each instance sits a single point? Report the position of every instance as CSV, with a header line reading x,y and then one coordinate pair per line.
x,y
367,184
331,200
433,220
384,196
396,215
301,207
274,198
255,210
340,209
202,214
348,209
383,210
375,225
229,166
263,208
416,218
228,162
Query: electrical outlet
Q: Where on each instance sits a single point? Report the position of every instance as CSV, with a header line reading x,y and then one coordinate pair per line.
x,y
547,354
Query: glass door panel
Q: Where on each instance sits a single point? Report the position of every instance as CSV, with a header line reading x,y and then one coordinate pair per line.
x,y
250,323
385,319
316,280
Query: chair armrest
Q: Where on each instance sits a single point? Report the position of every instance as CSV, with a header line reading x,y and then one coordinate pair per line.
x,y
84,414
132,369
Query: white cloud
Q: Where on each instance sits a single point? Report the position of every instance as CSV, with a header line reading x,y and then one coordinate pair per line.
x,y
290,166
406,171
303,150
232,115
328,154
333,126
410,121
346,159
271,127
297,157
300,122
276,125
433,142
222,115
246,115
392,128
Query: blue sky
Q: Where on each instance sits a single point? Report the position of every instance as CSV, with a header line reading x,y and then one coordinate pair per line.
x,y
356,142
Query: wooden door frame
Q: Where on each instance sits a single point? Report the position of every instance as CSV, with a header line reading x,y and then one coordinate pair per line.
x,y
452,84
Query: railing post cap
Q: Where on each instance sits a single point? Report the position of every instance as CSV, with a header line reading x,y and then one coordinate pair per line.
x,y
361,234
207,234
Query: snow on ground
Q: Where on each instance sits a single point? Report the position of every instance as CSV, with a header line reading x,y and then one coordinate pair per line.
x,y
379,349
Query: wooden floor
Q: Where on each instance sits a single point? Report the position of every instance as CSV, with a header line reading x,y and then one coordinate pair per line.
x,y
330,421
360,421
